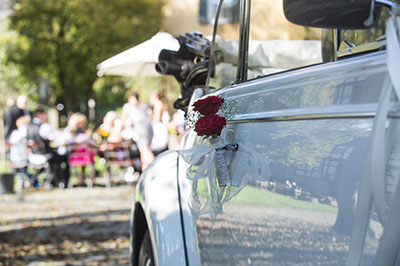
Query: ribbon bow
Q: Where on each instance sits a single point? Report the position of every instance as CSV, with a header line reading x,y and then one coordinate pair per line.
x,y
227,167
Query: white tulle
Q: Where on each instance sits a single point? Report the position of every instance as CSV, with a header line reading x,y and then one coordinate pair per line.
x,y
227,172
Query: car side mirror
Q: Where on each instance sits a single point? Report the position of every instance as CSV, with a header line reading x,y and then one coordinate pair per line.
x,y
334,14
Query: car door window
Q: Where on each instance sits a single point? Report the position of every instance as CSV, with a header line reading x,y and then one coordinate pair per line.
x,y
276,44
226,51
360,41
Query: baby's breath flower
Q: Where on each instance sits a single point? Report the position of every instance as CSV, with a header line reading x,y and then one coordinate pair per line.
x,y
228,109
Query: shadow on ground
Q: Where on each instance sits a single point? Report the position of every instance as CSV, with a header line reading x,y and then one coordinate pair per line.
x,y
77,238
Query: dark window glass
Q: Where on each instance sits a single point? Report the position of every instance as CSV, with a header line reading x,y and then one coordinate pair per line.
x,y
278,45
364,40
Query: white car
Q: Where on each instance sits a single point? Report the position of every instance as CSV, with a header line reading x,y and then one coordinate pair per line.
x,y
314,169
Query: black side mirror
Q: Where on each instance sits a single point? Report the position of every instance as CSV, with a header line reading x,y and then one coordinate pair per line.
x,y
334,14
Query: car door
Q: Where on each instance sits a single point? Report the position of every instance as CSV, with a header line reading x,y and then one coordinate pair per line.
x,y
312,123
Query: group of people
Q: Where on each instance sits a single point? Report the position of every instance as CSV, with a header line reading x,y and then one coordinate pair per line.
x,y
34,142
145,126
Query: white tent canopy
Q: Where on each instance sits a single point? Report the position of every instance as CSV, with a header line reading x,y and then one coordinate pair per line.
x,y
264,56
139,60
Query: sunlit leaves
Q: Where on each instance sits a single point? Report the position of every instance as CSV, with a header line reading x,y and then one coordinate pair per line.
x,y
65,40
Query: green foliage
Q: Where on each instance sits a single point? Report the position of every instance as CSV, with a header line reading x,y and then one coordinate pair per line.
x,y
11,82
109,93
64,40
8,84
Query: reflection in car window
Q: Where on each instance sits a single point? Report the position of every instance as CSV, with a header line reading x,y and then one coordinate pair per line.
x,y
276,44
226,46
360,41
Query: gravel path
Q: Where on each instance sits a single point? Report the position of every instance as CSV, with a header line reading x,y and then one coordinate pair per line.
x,y
79,226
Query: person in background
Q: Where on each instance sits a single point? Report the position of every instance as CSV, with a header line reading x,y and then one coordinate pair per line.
x,y
178,121
108,124
77,129
115,135
18,153
80,146
43,134
104,130
160,119
15,111
135,112
160,108
175,129
117,146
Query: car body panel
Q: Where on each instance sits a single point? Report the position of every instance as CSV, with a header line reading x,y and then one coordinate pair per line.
x,y
157,193
192,246
314,124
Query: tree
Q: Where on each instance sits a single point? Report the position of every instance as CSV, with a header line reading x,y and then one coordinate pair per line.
x,y
64,40
10,82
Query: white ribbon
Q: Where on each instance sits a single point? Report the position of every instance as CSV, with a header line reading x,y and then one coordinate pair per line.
x,y
227,173
220,164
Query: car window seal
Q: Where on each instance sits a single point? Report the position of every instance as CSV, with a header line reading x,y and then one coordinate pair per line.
x,y
363,49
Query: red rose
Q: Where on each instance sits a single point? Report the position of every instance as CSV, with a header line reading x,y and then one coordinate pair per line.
x,y
210,125
209,105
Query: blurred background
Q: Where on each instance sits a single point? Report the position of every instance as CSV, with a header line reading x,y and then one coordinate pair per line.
x,y
49,49
52,53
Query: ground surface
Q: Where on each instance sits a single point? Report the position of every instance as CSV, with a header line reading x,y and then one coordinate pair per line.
x,y
79,226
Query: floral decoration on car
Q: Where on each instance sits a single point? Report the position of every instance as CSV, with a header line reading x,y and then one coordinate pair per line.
x,y
209,115
208,118
225,164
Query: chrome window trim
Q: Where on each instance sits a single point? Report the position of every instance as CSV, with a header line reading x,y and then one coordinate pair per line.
x,y
320,116
368,47
317,113
244,18
356,115
336,44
